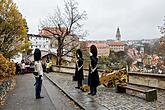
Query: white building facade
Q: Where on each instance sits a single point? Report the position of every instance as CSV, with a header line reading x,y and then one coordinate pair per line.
x,y
38,41
116,46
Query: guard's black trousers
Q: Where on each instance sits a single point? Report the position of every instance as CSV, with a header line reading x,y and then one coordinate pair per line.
x,y
38,87
79,82
93,90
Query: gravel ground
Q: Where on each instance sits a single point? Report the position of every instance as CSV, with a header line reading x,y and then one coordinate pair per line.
x,y
116,101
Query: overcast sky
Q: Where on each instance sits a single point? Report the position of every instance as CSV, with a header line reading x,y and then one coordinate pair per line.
x,y
137,19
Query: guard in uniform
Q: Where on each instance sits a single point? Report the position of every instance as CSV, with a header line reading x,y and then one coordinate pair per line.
x,y
93,77
79,69
39,73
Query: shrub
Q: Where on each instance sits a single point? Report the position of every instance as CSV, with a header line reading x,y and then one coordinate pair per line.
x,y
7,68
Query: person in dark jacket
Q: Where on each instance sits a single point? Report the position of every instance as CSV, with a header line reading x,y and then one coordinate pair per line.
x,y
93,76
79,69
17,68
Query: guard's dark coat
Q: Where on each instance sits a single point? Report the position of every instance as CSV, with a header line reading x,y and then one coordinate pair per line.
x,y
79,74
93,77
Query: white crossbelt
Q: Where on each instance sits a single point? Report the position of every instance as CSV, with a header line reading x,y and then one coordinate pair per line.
x,y
92,70
78,66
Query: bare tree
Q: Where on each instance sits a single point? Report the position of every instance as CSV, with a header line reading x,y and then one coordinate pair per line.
x,y
66,24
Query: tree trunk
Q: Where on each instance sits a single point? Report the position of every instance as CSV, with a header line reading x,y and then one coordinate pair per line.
x,y
59,52
58,57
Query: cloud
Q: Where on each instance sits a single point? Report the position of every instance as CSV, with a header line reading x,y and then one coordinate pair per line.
x,y
137,19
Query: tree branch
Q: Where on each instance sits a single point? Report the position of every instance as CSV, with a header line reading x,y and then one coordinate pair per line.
x,y
68,43
54,35
70,50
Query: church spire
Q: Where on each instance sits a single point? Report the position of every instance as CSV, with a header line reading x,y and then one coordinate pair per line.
x,y
118,35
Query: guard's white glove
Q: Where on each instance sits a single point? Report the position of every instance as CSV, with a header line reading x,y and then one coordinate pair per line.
x,y
78,55
90,54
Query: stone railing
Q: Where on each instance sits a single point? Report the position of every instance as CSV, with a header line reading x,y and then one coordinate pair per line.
x,y
69,70
146,79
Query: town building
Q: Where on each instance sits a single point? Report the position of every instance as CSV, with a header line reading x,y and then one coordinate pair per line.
x,y
102,48
39,41
117,45
51,32
70,43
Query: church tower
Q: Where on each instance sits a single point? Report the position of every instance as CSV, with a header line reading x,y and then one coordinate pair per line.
x,y
118,35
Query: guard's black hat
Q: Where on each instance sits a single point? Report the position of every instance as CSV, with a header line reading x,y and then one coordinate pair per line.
x,y
79,52
93,50
37,54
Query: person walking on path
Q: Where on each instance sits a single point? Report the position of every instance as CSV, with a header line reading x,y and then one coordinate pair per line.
x,y
47,66
93,77
23,67
79,69
50,66
39,76
17,68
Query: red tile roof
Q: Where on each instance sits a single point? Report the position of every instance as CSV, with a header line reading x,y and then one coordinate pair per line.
x,y
116,44
49,31
98,45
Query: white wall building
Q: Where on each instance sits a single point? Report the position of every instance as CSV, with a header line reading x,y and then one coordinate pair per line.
x,y
70,42
41,42
17,58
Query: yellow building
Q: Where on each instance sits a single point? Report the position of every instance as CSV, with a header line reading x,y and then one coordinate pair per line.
x,y
102,48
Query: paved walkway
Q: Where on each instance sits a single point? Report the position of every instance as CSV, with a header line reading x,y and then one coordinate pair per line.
x,y
106,98
87,102
23,97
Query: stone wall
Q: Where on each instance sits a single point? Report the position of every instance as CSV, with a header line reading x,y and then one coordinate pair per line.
x,y
70,70
148,79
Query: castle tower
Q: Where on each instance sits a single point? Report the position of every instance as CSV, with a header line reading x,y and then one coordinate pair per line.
x,y
118,35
